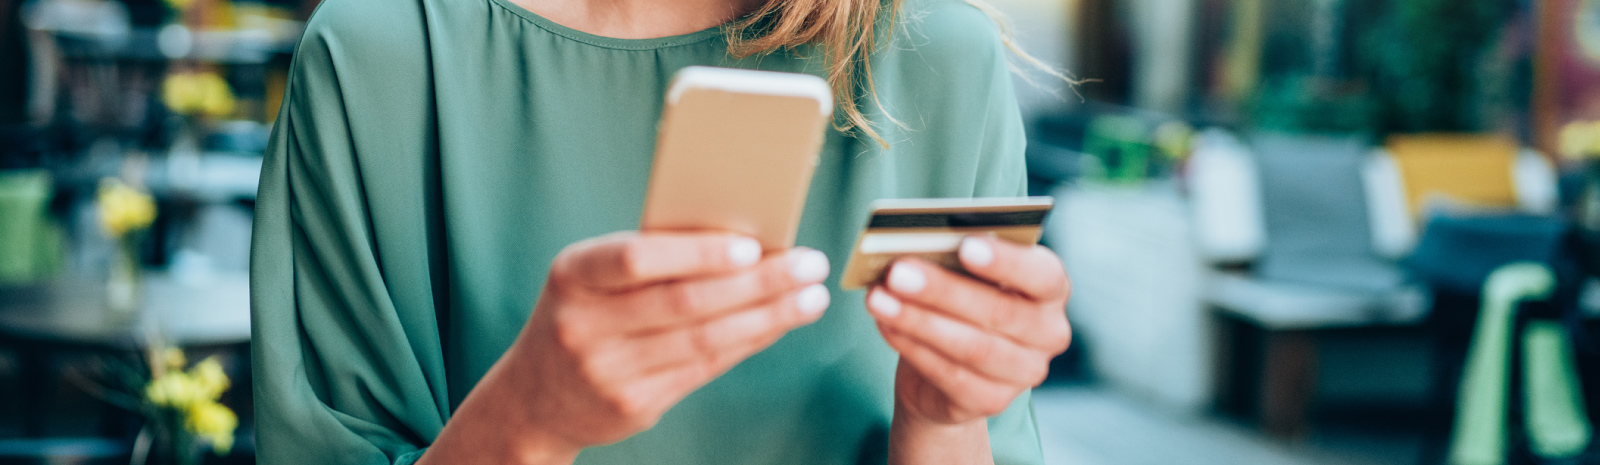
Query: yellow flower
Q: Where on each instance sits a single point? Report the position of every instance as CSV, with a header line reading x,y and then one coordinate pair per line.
x,y
1580,139
179,91
194,394
214,422
216,98
175,389
1174,139
197,93
124,209
172,358
209,378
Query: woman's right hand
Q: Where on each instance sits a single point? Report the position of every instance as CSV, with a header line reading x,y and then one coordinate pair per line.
x,y
628,325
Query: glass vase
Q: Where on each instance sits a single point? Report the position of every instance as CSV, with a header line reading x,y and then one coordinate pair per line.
x,y
123,291
163,441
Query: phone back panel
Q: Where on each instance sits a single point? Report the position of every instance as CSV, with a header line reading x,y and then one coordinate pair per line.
x,y
734,161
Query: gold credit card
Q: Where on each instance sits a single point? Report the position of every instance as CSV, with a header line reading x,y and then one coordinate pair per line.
x,y
932,229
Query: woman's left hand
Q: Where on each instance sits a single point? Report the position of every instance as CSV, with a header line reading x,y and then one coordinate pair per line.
x,y
969,345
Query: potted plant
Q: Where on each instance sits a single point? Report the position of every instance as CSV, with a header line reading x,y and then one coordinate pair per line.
x,y
182,411
125,212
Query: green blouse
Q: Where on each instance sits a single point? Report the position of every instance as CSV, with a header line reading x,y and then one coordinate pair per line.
x,y
432,156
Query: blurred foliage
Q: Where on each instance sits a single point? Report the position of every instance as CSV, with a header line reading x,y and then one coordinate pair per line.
x,y
1422,62
1412,66
1311,104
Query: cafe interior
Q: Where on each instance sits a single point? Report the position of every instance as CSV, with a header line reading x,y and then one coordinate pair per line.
x,y
1299,231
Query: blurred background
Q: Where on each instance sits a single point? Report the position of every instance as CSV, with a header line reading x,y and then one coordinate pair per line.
x,y
1300,231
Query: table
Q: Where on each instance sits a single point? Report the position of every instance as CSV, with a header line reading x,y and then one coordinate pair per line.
x,y
1269,331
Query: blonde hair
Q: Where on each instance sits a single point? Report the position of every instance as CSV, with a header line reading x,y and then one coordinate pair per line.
x,y
847,33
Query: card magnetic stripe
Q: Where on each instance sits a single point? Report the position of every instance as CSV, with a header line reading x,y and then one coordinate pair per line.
x,y
957,220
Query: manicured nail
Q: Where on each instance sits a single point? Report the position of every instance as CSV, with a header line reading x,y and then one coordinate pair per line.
x,y
809,266
813,300
744,252
883,304
976,252
906,279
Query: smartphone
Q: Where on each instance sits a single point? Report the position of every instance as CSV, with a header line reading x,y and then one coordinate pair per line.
x,y
735,151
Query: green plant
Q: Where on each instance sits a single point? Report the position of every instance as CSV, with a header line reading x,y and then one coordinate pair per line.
x,y
1422,61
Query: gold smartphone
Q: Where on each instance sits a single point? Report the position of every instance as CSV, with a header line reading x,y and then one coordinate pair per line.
x,y
735,151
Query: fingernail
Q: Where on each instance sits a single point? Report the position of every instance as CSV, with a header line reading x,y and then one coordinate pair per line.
x,y
744,252
906,279
809,266
813,300
976,252
883,304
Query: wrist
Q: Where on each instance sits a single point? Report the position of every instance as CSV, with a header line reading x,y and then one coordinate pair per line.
x,y
456,444
914,439
907,421
489,428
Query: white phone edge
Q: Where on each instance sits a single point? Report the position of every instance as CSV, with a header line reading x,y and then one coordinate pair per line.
x,y
746,81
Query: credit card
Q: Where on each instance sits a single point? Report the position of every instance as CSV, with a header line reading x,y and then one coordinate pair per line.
x,y
932,229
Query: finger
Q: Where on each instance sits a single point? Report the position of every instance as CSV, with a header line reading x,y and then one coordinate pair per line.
x,y
628,260
660,390
714,344
977,302
994,356
1033,270
684,302
968,390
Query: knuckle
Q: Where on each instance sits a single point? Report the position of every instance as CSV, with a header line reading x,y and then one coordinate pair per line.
x,y
979,350
640,422
712,251
1004,315
562,267
621,402
1038,377
993,404
1055,277
682,299
1016,318
1063,286
700,342
774,278
1062,336
591,371
784,316
707,367
958,376
1046,256
630,403
632,258
1066,339
1037,372
911,319
570,334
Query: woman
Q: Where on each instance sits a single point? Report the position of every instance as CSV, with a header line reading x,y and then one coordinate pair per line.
x,y
435,161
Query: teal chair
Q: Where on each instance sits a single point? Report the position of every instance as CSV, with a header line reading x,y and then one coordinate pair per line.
x,y
30,243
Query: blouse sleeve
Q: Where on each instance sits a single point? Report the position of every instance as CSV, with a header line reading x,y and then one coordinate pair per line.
x,y
945,79
340,376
